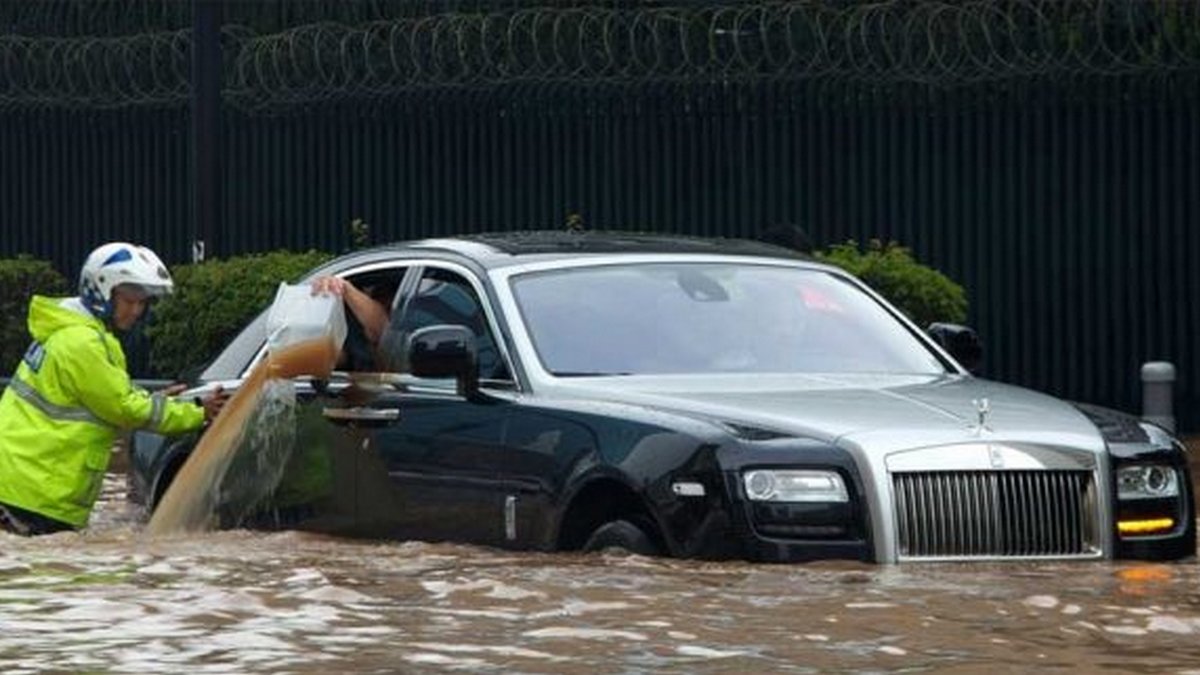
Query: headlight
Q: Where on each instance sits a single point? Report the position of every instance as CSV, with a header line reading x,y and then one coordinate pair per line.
x,y
1147,481
768,485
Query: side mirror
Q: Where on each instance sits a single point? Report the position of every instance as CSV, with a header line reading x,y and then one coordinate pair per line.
x,y
961,342
445,351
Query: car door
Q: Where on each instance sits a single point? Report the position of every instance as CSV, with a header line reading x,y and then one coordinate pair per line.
x,y
317,482
314,482
544,448
433,474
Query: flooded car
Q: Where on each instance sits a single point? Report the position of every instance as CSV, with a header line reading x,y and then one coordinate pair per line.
x,y
684,397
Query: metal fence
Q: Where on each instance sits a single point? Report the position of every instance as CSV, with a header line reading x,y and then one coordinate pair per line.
x,y
1064,199
106,54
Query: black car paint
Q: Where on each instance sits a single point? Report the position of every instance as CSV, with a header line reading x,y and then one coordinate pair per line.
x,y
1181,541
798,453
451,463
1128,444
442,460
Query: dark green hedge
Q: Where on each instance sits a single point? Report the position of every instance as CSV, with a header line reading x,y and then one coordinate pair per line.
x,y
20,279
214,300
923,293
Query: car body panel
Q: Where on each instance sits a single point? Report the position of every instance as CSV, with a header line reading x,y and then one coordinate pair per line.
x,y
442,459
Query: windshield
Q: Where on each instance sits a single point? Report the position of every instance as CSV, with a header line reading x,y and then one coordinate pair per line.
x,y
669,318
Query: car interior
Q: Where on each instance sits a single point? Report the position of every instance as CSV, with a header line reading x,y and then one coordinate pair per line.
x,y
442,297
358,354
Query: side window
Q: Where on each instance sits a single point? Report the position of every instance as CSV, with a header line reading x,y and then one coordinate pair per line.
x,y
444,297
358,352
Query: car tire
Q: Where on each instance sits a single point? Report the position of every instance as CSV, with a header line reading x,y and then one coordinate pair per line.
x,y
624,535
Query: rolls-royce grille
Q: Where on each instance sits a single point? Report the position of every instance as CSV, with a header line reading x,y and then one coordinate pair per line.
x,y
952,514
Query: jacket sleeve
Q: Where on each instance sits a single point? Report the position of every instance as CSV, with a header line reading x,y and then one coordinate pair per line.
x,y
103,387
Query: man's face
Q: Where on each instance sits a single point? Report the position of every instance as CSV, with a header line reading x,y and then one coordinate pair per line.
x,y
129,303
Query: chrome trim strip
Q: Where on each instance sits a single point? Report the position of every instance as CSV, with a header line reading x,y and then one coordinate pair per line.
x,y
362,414
510,517
990,456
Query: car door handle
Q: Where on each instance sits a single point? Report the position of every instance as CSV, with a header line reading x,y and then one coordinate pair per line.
x,y
362,416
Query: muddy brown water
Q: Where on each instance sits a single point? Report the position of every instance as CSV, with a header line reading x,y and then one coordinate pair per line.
x,y
114,600
189,502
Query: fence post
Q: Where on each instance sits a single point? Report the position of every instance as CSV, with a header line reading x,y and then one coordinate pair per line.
x,y
1158,380
207,206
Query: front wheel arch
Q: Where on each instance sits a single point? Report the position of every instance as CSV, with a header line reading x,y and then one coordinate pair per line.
x,y
602,503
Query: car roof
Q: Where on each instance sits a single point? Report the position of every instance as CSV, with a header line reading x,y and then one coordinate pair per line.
x,y
499,249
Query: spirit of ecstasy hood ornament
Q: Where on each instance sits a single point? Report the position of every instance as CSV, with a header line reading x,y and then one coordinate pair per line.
x,y
982,408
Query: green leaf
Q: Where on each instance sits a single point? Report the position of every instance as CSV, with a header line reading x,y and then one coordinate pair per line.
x,y
20,279
921,292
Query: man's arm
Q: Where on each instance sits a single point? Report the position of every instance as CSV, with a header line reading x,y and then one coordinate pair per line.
x,y
370,313
104,388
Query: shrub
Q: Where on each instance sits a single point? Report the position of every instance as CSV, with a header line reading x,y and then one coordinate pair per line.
x,y
213,301
20,279
921,292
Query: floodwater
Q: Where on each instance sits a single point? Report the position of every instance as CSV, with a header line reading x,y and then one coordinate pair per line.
x,y
111,600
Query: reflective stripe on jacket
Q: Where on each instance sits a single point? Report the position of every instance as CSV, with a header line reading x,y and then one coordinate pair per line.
x,y
63,409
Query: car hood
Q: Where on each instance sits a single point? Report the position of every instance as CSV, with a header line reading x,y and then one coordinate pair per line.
x,y
880,413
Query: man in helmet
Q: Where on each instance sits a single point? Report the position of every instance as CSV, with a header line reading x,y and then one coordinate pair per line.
x,y
71,394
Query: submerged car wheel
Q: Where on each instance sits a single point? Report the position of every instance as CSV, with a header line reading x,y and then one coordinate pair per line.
x,y
625,535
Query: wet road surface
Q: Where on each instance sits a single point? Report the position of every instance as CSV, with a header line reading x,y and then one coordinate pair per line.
x,y
110,600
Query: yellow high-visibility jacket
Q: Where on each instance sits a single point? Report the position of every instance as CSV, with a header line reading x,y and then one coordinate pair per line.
x,y
63,409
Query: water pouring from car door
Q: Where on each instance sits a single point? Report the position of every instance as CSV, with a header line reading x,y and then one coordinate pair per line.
x,y
306,334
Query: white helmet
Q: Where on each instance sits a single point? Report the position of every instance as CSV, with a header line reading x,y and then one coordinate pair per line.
x,y
118,263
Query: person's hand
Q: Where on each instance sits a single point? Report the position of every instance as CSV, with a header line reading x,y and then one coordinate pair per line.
x,y
173,390
329,286
213,403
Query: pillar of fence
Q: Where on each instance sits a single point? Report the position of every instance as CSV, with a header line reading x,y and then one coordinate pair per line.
x,y
206,126
1158,381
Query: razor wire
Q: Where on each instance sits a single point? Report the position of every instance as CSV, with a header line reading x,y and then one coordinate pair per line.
x,y
145,69
916,41
108,18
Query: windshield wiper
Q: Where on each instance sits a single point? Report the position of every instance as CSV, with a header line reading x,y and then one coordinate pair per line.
x,y
584,373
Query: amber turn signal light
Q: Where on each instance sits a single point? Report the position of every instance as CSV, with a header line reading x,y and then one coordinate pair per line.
x,y
1147,526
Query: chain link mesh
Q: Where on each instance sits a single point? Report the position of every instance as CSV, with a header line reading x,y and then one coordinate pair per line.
x,y
922,42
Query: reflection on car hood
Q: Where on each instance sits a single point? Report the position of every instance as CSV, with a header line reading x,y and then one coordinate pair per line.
x,y
882,413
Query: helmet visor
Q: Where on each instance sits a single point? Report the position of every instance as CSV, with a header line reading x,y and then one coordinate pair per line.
x,y
137,292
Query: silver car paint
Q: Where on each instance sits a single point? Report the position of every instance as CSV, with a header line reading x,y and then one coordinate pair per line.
x,y
887,422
